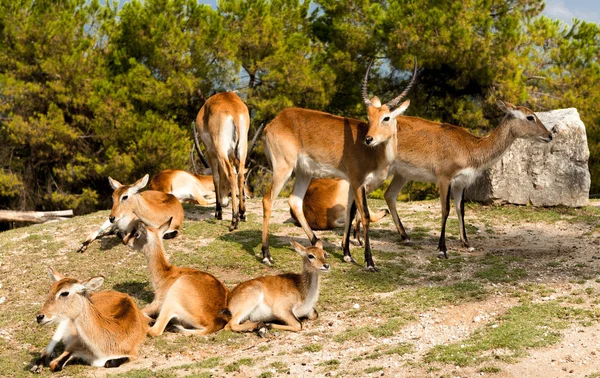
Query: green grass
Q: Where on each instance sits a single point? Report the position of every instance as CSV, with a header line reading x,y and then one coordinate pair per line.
x,y
411,281
522,327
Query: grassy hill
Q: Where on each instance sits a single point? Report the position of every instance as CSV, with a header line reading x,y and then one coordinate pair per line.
x,y
518,305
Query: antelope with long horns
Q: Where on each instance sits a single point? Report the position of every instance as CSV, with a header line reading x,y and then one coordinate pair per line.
x,y
153,207
103,329
223,123
313,143
193,300
454,158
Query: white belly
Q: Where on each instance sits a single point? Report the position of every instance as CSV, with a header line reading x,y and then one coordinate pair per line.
x,y
317,169
262,313
465,177
412,173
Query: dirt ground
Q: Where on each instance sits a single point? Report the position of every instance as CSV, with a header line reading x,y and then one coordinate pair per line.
x,y
543,241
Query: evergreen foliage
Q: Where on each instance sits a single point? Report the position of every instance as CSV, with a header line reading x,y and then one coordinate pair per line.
x,y
89,89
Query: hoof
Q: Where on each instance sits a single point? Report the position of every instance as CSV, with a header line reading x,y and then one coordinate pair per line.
x,y
407,241
372,268
349,259
470,249
219,216
83,247
268,261
442,255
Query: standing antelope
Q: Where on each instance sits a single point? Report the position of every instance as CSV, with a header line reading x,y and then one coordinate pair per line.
x,y
286,297
313,143
129,203
223,123
193,298
454,158
103,329
185,186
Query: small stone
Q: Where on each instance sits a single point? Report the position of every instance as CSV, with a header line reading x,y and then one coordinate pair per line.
x,y
356,306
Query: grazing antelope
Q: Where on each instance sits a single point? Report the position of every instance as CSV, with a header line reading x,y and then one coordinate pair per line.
x,y
129,203
286,297
313,143
454,158
324,205
103,329
194,299
185,186
223,123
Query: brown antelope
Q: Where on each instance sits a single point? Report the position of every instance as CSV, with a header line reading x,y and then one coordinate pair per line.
x,y
313,143
286,297
103,329
454,158
185,186
129,203
195,300
223,123
324,205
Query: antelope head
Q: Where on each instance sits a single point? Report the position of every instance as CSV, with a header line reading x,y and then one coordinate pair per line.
x,y
382,118
123,198
524,123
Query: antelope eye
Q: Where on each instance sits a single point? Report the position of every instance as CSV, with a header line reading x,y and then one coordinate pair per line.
x,y
386,119
311,256
530,118
64,294
124,198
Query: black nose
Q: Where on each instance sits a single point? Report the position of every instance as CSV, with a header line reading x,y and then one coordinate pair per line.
x,y
326,266
40,317
111,219
368,140
550,136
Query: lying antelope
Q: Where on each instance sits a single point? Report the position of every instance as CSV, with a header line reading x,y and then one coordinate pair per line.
x,y
324,205
103,329
129,203
313,143
195,300
454,158
286,297
223,123
185,186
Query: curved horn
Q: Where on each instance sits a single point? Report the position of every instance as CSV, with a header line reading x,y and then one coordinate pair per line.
x,y
394,102
364,86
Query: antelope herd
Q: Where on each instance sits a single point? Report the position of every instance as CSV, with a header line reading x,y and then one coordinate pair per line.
x,y
337,161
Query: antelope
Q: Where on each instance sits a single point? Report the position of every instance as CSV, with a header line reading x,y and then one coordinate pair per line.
x,y
103,329
223,123
185,186
324,205
451,156
314,143
129,203
195,300
286,297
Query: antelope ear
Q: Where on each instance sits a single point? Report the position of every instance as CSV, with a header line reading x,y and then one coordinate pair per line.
x,y
93,283
401,109
319,244
114,183
299,248
141,183
506,107
54,275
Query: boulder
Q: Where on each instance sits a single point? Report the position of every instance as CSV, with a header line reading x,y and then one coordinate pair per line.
x,y
541,174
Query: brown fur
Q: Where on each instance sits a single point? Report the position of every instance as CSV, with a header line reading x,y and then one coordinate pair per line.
x,y
196,297
102,326
227,161
289,297
324,204
355,150
443,151
185,186
152,207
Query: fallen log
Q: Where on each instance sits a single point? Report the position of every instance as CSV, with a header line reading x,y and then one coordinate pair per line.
x,y
34,216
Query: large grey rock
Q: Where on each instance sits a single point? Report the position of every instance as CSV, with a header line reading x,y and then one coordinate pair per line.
x,y
541,174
